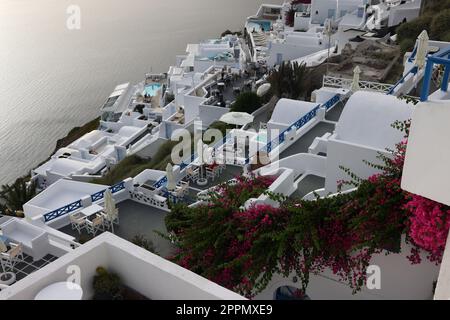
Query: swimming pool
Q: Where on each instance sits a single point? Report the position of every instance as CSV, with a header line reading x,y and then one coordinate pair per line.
x,y
151,89
259,25
262,137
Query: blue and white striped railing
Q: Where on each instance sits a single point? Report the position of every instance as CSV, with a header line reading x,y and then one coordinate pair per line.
x,y
413,70
77,204
297,125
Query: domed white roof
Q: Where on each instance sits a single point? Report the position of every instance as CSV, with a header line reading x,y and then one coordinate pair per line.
x,y
288,111
367,118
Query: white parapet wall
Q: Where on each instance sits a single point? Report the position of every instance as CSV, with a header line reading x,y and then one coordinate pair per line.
x,y
139,269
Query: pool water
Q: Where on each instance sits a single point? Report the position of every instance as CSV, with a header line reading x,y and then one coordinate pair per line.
x,y
262,137
151,89
259,25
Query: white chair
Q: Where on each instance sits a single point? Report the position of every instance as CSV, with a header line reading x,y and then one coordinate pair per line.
x,y
77,222
192,174
3,247
12,256
108,220
184,187
95,225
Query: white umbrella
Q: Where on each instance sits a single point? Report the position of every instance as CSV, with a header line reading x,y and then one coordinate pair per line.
x,y
201,157
263,89
171,185
237,118
110,208
355,83
422,49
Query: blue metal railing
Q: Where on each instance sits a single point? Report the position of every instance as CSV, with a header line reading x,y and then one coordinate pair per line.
x,y
77,204
399,82
296,125
413,54
442,57
270,145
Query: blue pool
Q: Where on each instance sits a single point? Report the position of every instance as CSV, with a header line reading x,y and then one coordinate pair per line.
x,y
151,89
259,25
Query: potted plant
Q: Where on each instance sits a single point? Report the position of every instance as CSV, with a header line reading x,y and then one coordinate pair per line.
x,y
7,278
107,286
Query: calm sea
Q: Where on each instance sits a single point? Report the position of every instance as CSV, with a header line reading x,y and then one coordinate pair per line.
x,y
53,78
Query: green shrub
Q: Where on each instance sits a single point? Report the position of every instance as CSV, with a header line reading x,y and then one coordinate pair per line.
x,y
440,25
107,286
407,45
143,242
221,126
247,102
411,30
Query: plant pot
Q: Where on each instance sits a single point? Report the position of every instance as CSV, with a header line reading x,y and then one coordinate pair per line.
x,y
7,278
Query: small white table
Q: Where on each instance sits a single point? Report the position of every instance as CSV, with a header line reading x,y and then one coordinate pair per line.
x,y
91,210
61,291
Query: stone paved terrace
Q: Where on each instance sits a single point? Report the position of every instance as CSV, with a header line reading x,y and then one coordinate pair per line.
x,y
335,113
302,144
229,173
28,266
137,219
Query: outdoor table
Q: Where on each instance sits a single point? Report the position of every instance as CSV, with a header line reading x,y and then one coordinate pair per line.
x,y
61,291
91,210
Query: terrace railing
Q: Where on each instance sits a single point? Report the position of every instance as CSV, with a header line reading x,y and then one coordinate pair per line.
x,y
301,122
77,204
269,146
413,70
345,83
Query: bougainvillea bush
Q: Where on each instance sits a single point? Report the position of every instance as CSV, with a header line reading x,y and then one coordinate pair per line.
x,y
241,249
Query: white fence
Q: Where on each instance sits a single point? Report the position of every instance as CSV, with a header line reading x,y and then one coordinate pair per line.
x,y
344,83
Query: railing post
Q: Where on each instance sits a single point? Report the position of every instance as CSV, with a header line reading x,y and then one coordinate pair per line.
x,y
426,80
445,78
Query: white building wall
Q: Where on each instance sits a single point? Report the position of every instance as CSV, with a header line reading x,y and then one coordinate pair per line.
x,y
398,280
348,155
145,272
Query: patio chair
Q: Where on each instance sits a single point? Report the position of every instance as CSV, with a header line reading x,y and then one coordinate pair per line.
x,y
210,173
77,222
192,174
184,187
92,227
3,247
12,256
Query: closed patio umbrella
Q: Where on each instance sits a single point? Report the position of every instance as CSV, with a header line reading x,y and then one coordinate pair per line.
x,y
171,185
422,49
237,118
355,83
110,208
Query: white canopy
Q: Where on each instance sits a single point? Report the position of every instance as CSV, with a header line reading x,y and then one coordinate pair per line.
x,y
171,184
237,118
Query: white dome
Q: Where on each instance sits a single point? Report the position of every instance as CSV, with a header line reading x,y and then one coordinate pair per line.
x,y
367,118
